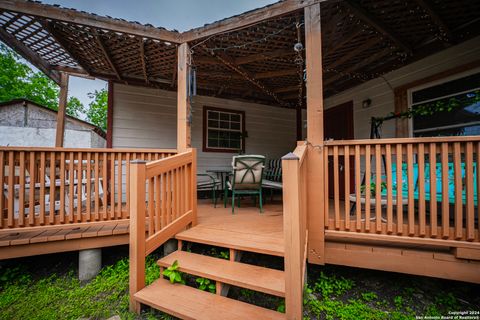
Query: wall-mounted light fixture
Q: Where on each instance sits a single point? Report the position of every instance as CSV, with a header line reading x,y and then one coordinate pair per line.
x,y
366,103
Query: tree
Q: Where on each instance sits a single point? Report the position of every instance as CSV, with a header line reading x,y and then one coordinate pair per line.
x,y
97,111
19,81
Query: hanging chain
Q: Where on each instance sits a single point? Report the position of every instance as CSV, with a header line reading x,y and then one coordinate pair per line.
x,y
298,47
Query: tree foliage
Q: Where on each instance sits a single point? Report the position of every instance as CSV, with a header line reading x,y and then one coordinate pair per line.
x,y
19,81
97,111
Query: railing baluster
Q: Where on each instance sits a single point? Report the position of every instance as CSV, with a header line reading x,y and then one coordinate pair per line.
x,y
358,184
53,182
421,189
399,164
445,200
21,196
151,207
119,187
11,188
127,185
79,186
378,188
470,221
42,173
105,186
325,188
164,200
336,187
346,152
411,187
388,173
457,154
112,187
89,186
169,196
31,195
61,212
71,184
433,190
368,181
97,186
158,213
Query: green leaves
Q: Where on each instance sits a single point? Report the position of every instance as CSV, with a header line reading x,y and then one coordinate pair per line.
x,y
97,111
206,284
173,274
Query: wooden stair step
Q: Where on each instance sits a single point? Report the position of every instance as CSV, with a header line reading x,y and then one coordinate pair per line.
x,y
234,240
243,275
190,303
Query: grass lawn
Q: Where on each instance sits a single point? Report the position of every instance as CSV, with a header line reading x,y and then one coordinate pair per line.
x,y
46,287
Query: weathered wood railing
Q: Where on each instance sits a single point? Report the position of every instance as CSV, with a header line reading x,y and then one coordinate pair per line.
x,y
294,171
163,201
54,186
416,190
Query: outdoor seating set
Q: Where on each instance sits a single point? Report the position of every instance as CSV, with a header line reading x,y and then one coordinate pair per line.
x,y
248,176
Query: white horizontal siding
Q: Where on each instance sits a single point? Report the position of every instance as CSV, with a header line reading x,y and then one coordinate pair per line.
x,y
382,95
147,118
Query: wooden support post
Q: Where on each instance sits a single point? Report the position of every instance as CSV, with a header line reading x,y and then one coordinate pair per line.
x,y
62,106
292,238
183,103
137,230
110,115
315,183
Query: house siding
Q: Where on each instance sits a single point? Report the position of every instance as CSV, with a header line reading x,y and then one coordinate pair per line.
x,y
380,90
147,118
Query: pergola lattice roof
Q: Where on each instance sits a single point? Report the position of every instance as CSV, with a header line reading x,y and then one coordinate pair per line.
x,y
362,39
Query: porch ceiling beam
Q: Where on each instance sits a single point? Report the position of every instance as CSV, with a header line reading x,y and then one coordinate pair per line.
x,y
442,25
29,55
263,56
103,47
276,73
248,19
286,89
342,42
230,63
372,21
142,58
87,19
74,72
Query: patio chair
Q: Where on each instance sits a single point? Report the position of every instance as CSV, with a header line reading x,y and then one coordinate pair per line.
x,y
246,178
209,183
273,176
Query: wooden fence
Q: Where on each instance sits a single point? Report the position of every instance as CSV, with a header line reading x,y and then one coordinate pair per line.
x,y
294,170
418,190
163,202
52,186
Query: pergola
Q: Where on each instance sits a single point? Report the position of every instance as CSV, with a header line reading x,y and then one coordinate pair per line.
x,y
250,56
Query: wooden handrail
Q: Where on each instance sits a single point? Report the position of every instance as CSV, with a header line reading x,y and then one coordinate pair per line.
x,y
402,140
55,186
163,202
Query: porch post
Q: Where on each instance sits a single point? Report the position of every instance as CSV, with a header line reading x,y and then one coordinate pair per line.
x,y
315,181
110,115
183,103
62,106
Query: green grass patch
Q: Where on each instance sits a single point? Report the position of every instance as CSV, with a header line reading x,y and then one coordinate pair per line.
x,y
65,297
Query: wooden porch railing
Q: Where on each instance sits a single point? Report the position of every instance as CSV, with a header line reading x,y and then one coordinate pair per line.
x,y
416,190
55,186
294,168
163,202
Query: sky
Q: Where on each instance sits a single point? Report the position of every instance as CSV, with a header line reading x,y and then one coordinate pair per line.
x,y
180,15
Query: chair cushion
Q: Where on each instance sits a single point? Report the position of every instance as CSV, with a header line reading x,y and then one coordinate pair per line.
x,y
271,184
248,170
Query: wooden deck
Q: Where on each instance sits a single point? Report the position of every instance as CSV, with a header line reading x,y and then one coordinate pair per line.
x,y
246,230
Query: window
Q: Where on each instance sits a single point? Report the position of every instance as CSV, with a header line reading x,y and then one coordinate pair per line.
x,y
223,130
451,108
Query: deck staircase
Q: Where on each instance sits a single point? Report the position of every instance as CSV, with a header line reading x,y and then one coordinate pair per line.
x,y
190,303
